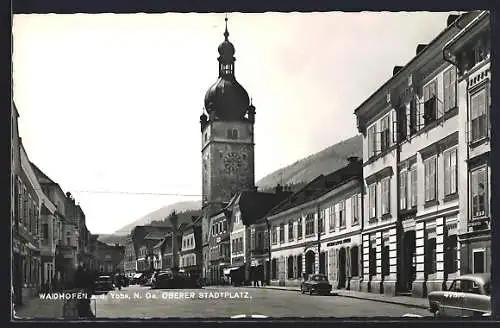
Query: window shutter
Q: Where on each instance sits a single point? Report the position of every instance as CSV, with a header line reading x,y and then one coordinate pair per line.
x,y
395,129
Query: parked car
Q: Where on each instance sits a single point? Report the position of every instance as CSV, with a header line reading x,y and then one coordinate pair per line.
x,y
136,279
169,280
469,295
316,283
103,285
145,279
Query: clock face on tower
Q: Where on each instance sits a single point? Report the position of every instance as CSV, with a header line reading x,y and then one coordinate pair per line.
x,y
233,162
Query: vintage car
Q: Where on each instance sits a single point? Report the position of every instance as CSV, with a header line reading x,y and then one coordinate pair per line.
x,y
468,296
103,285
316,283
170,280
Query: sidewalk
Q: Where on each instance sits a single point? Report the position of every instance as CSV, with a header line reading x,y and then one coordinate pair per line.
x,y
37,308
421,303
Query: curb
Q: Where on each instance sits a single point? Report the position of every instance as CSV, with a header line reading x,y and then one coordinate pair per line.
x,y
418,306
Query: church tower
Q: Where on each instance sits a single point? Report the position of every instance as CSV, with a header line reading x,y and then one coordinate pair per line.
x,y
227,131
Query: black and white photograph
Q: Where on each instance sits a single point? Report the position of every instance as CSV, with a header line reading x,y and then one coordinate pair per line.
x,y
251,165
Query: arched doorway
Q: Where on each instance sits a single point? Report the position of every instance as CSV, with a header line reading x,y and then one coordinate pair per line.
x,y
342,268
310,259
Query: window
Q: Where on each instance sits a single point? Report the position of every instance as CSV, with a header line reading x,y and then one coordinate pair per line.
x,y
479,192
290,231
430,103
478,107
478,261
274,235
372,141
384,133
331,218
282,233
430,179
355,212
321,221
45,233
274,269
355,261
413,186
290,267
372,259
450,172
372,200
430,256
309,224
450,88
68,241
450,254
403,192
385,191
342,220
385,260
232,134
299,266
299,228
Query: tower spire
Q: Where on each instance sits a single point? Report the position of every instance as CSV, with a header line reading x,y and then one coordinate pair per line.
x,y
226,33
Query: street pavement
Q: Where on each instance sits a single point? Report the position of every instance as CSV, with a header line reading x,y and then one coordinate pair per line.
x,y
223,302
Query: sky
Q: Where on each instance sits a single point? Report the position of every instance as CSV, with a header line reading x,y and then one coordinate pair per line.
x,y
111,102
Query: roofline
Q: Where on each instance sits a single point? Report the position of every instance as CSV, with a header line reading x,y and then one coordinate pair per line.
x,y
467,28
405,67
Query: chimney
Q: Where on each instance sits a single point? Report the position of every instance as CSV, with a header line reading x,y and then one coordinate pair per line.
x,y
396,69
420,47
278,189
451,19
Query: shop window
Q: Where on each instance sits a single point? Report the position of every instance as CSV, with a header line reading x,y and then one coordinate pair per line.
x,y
274,269
385,260
451,249
372,260
355,261
479,192
299,266
430,256
478,261
290,267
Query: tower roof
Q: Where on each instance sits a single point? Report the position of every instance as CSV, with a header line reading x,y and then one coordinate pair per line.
x,y
226,98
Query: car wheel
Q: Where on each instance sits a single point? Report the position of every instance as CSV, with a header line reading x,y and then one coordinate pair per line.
x,y
310,291
302,291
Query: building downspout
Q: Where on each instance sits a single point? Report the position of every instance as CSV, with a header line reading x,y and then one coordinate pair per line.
x,y
319,240
399,223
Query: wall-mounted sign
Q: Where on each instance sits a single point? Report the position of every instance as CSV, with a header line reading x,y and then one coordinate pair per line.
x,y
477,223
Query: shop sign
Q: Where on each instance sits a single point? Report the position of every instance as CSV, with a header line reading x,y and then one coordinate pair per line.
x,y
478,222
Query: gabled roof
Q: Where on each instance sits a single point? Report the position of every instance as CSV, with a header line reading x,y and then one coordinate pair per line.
x,y
254,205
155,235
320,186
42,177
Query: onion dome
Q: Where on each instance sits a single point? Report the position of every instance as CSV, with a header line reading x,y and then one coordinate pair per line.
x,y
226,99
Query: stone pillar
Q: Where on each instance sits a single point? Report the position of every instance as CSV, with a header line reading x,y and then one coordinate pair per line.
x,y
419,283
365,260
391,279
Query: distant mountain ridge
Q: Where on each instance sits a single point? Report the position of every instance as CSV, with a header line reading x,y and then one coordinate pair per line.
x,y
295,176
325,161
